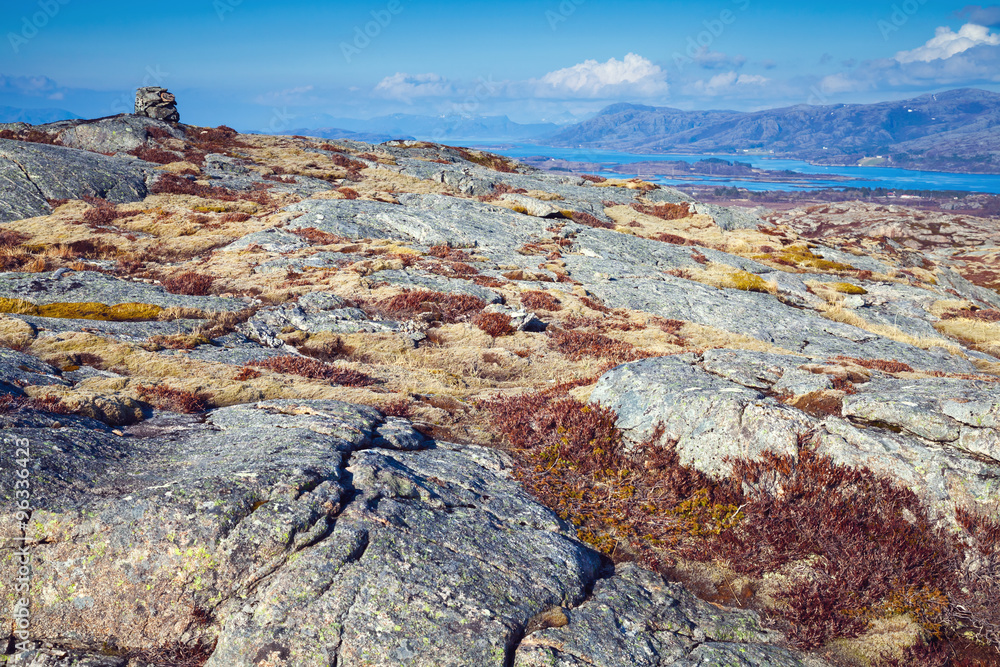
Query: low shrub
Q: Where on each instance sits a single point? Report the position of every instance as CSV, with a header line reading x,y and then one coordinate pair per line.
x,y
536,300
190,283
864,547
314,370
980,314
884,365
577,344
247,373
584,218
593,178
665,211
173,400
319,237
494,324
171,184
154,154
431,305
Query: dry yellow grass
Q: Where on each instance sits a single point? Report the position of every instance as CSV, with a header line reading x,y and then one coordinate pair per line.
x,y
838,313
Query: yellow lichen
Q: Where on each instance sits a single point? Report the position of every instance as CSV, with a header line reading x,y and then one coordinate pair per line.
x,y
847,288
123,312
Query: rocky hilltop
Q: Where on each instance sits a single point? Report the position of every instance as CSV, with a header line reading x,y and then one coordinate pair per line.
x,y
292,401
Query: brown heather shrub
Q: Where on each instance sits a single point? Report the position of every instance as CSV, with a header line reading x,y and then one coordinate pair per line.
x,y
671,238
982,315
433,305
247,373
171,184
449,253
448,269
10,404
11,239
489,160
329,350
884,365
103,212
494,324
190,283
873,550
699,257
489,281
319,237
173,400
154,154
665,211
31,135
401,408
594,304
349,193
235,217
314,370
592,178
578,344
584,218
158,133
536,300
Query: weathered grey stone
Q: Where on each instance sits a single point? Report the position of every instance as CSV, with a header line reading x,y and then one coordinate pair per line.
x,y
730,218
530,206
711,419
118,134
636,619
947,462
93,287
31,173
271,240
429,281
763,317
158,103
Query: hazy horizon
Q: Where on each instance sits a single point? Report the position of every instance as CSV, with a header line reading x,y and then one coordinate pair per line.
x,y
259,66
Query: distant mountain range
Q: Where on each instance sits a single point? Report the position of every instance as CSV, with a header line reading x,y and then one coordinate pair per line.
x,y
957,131
433,128
34,116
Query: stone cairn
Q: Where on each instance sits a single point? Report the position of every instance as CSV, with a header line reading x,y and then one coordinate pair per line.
x,y
158,103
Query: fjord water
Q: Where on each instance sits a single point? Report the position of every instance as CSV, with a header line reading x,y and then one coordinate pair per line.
x,y
870,177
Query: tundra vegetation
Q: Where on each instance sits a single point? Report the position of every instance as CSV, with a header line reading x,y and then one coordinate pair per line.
x,y
260,269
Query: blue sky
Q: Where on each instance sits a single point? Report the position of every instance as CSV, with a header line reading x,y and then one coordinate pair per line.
x,y
255,64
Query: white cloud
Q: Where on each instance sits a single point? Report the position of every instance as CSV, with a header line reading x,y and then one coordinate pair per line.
x,y
947,43
406,87
633,75
28,85
726,82
288,97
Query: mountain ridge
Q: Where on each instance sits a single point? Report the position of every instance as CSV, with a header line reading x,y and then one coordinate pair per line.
x,y
955,130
